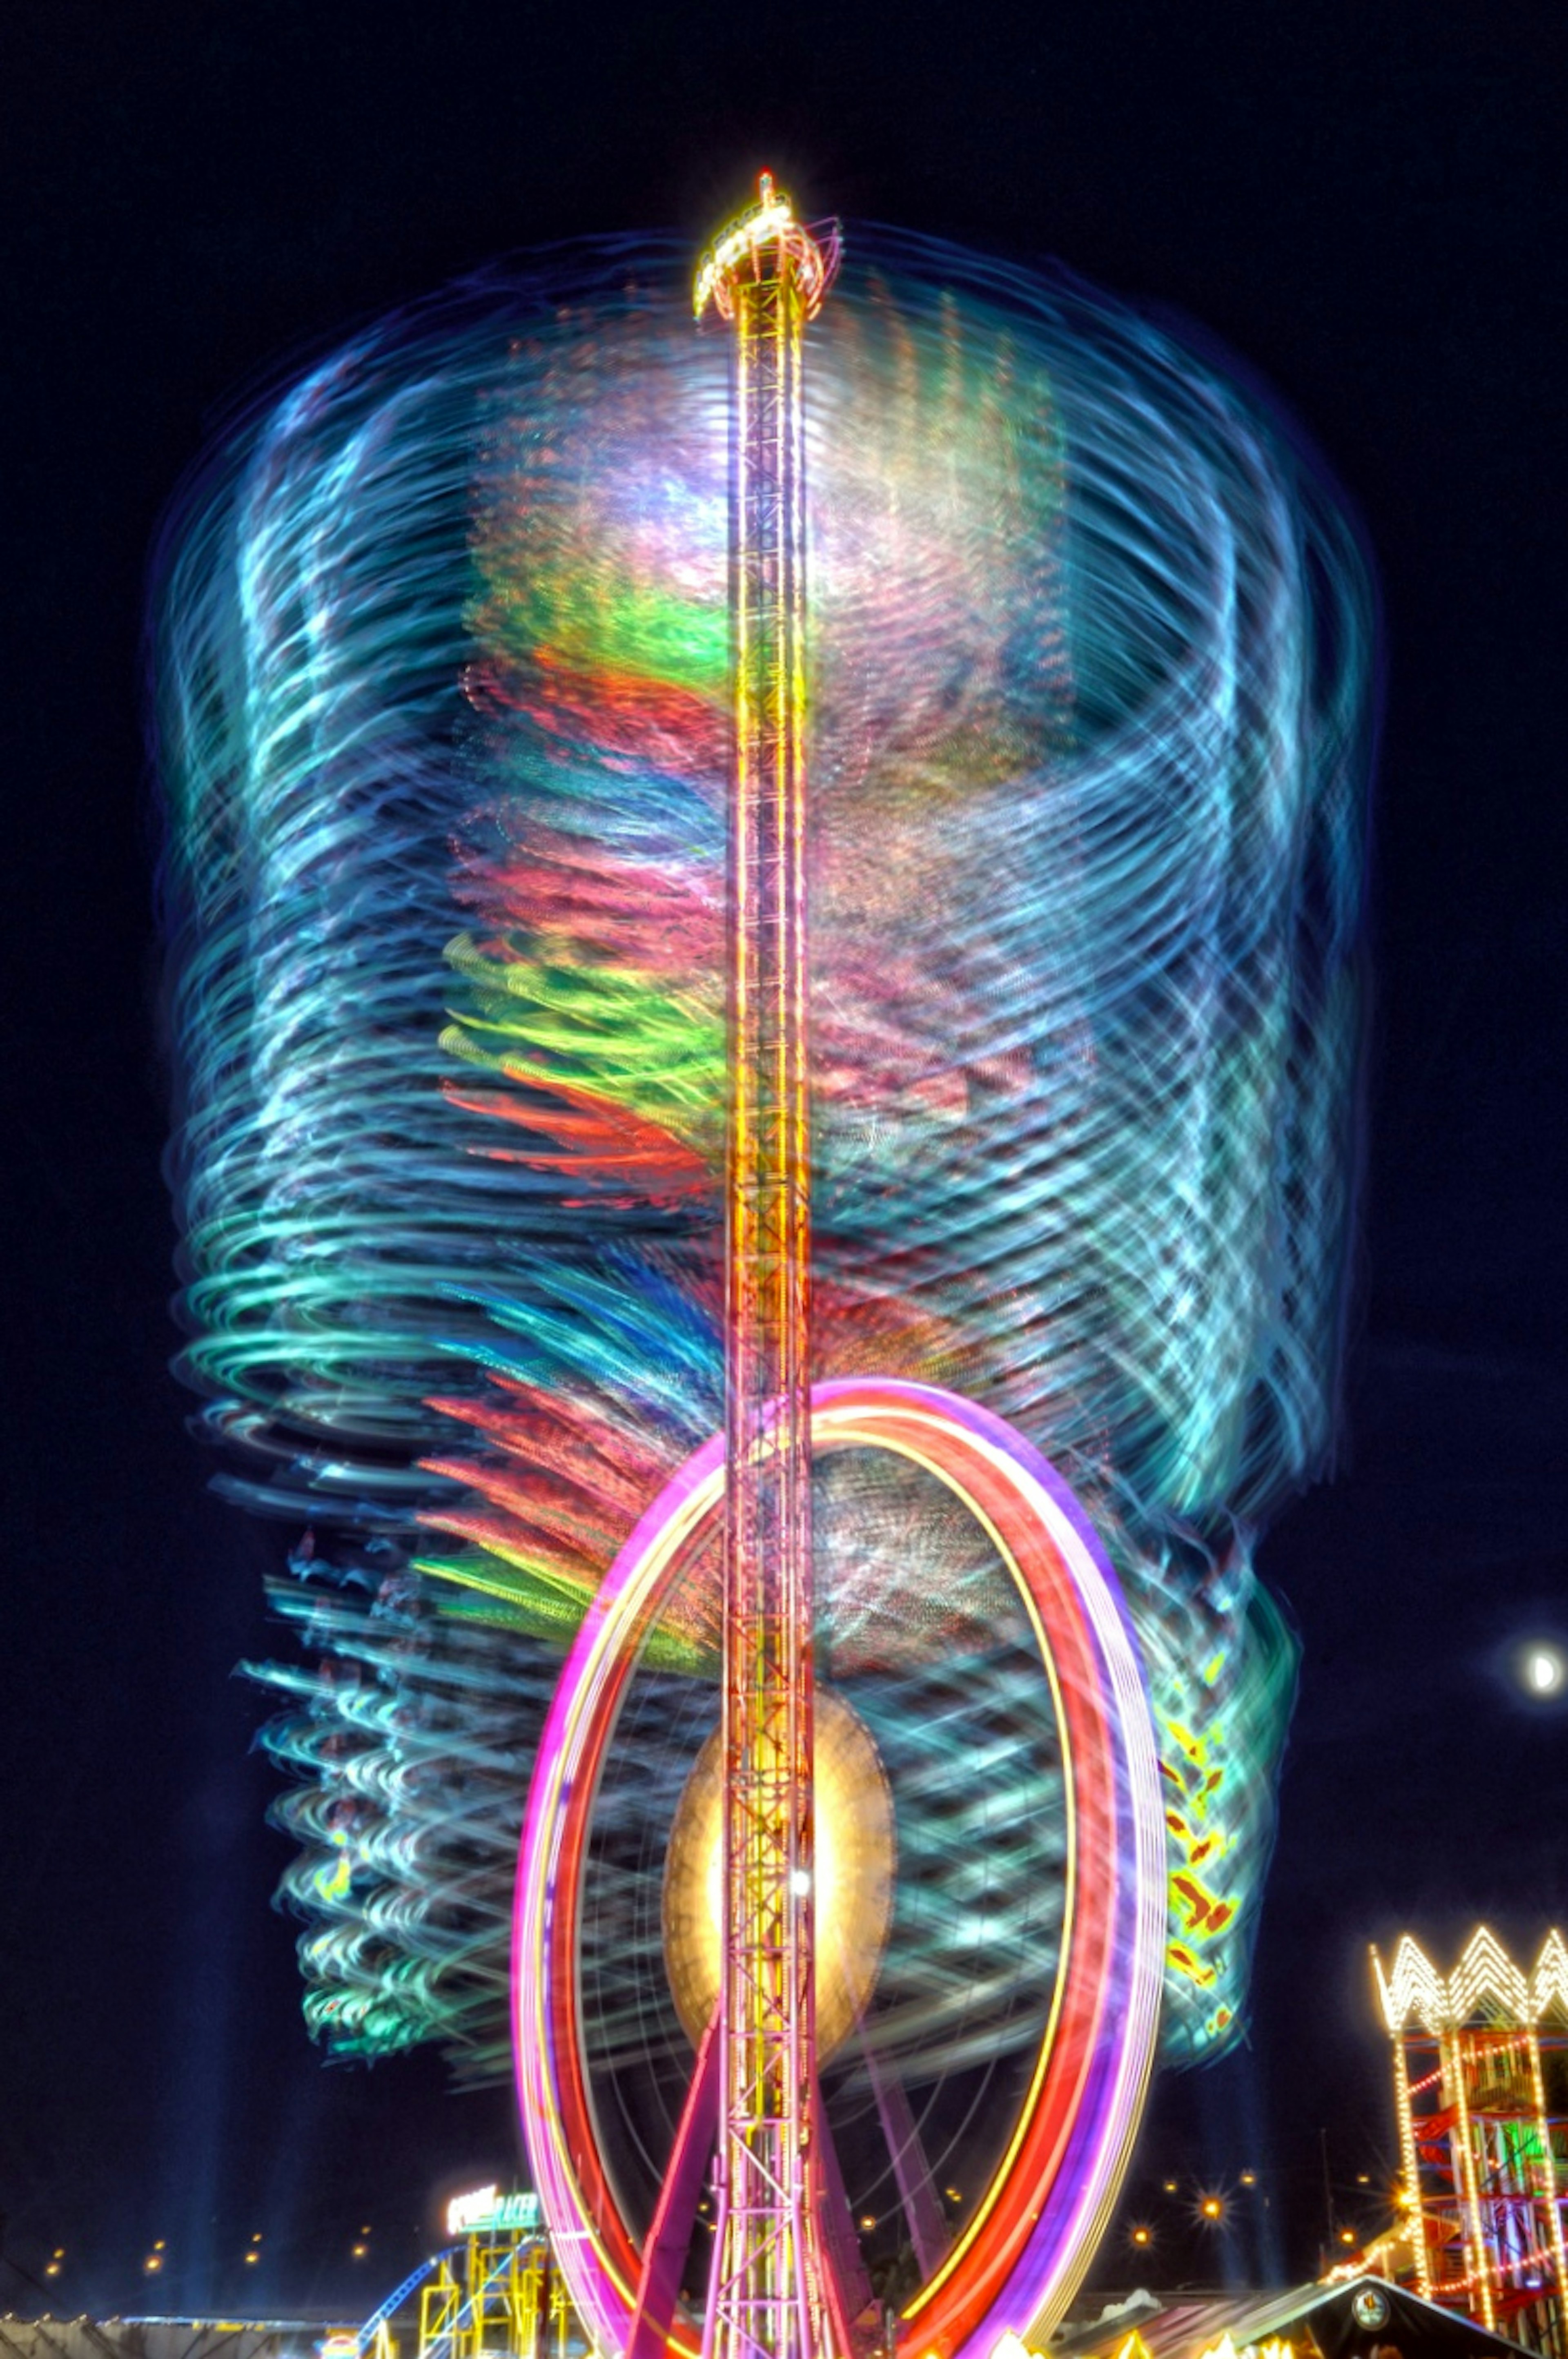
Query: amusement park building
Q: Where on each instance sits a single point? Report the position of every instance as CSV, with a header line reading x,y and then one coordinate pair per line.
x,y
1481,2089
1363,2317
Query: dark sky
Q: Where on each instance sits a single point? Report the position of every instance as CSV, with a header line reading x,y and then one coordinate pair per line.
x,y
1365,201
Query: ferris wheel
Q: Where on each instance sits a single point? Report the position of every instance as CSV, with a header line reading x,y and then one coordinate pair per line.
x,y
863,1650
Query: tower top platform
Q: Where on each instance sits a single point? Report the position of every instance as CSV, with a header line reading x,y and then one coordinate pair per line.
x,y
763,242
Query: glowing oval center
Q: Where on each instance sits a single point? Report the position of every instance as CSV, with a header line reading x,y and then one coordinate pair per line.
x,y
856,1856
1543,1670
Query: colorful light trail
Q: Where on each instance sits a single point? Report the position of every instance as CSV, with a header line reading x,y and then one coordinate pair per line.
x,y
1018,2255
441,658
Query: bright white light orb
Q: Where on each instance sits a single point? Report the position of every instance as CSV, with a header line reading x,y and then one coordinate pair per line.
x,y
1542,1670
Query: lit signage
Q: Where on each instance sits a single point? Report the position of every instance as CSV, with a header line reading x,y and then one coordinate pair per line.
x,y
486,2211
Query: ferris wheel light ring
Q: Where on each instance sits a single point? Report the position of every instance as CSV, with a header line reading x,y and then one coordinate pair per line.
x,y
1016,2265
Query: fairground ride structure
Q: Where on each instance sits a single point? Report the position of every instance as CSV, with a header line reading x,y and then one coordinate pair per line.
x,y
785,2279
1481,2091
445,719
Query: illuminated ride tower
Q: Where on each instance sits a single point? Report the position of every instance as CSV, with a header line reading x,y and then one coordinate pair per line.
x,y
1480,2062
787,2278
767,278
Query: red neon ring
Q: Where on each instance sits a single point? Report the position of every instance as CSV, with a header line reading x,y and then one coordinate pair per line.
x,y
1031,2237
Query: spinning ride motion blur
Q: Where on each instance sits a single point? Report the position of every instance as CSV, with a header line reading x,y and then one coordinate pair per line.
x,y
445,728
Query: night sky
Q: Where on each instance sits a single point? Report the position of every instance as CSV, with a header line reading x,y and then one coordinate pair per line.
x,y
1365,203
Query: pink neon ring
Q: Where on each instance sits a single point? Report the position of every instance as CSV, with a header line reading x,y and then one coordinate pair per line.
x,y
1029,2240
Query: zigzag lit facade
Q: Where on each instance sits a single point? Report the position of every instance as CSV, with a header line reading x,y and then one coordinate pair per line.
x,y
1481,2085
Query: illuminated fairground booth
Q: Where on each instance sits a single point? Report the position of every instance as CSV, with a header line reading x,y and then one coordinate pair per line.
x,y
1481,2091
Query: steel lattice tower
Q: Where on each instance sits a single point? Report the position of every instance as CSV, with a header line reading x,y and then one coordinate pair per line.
x,y
767,278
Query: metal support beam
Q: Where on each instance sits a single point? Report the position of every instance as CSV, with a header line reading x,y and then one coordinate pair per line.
x,y
769,2298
